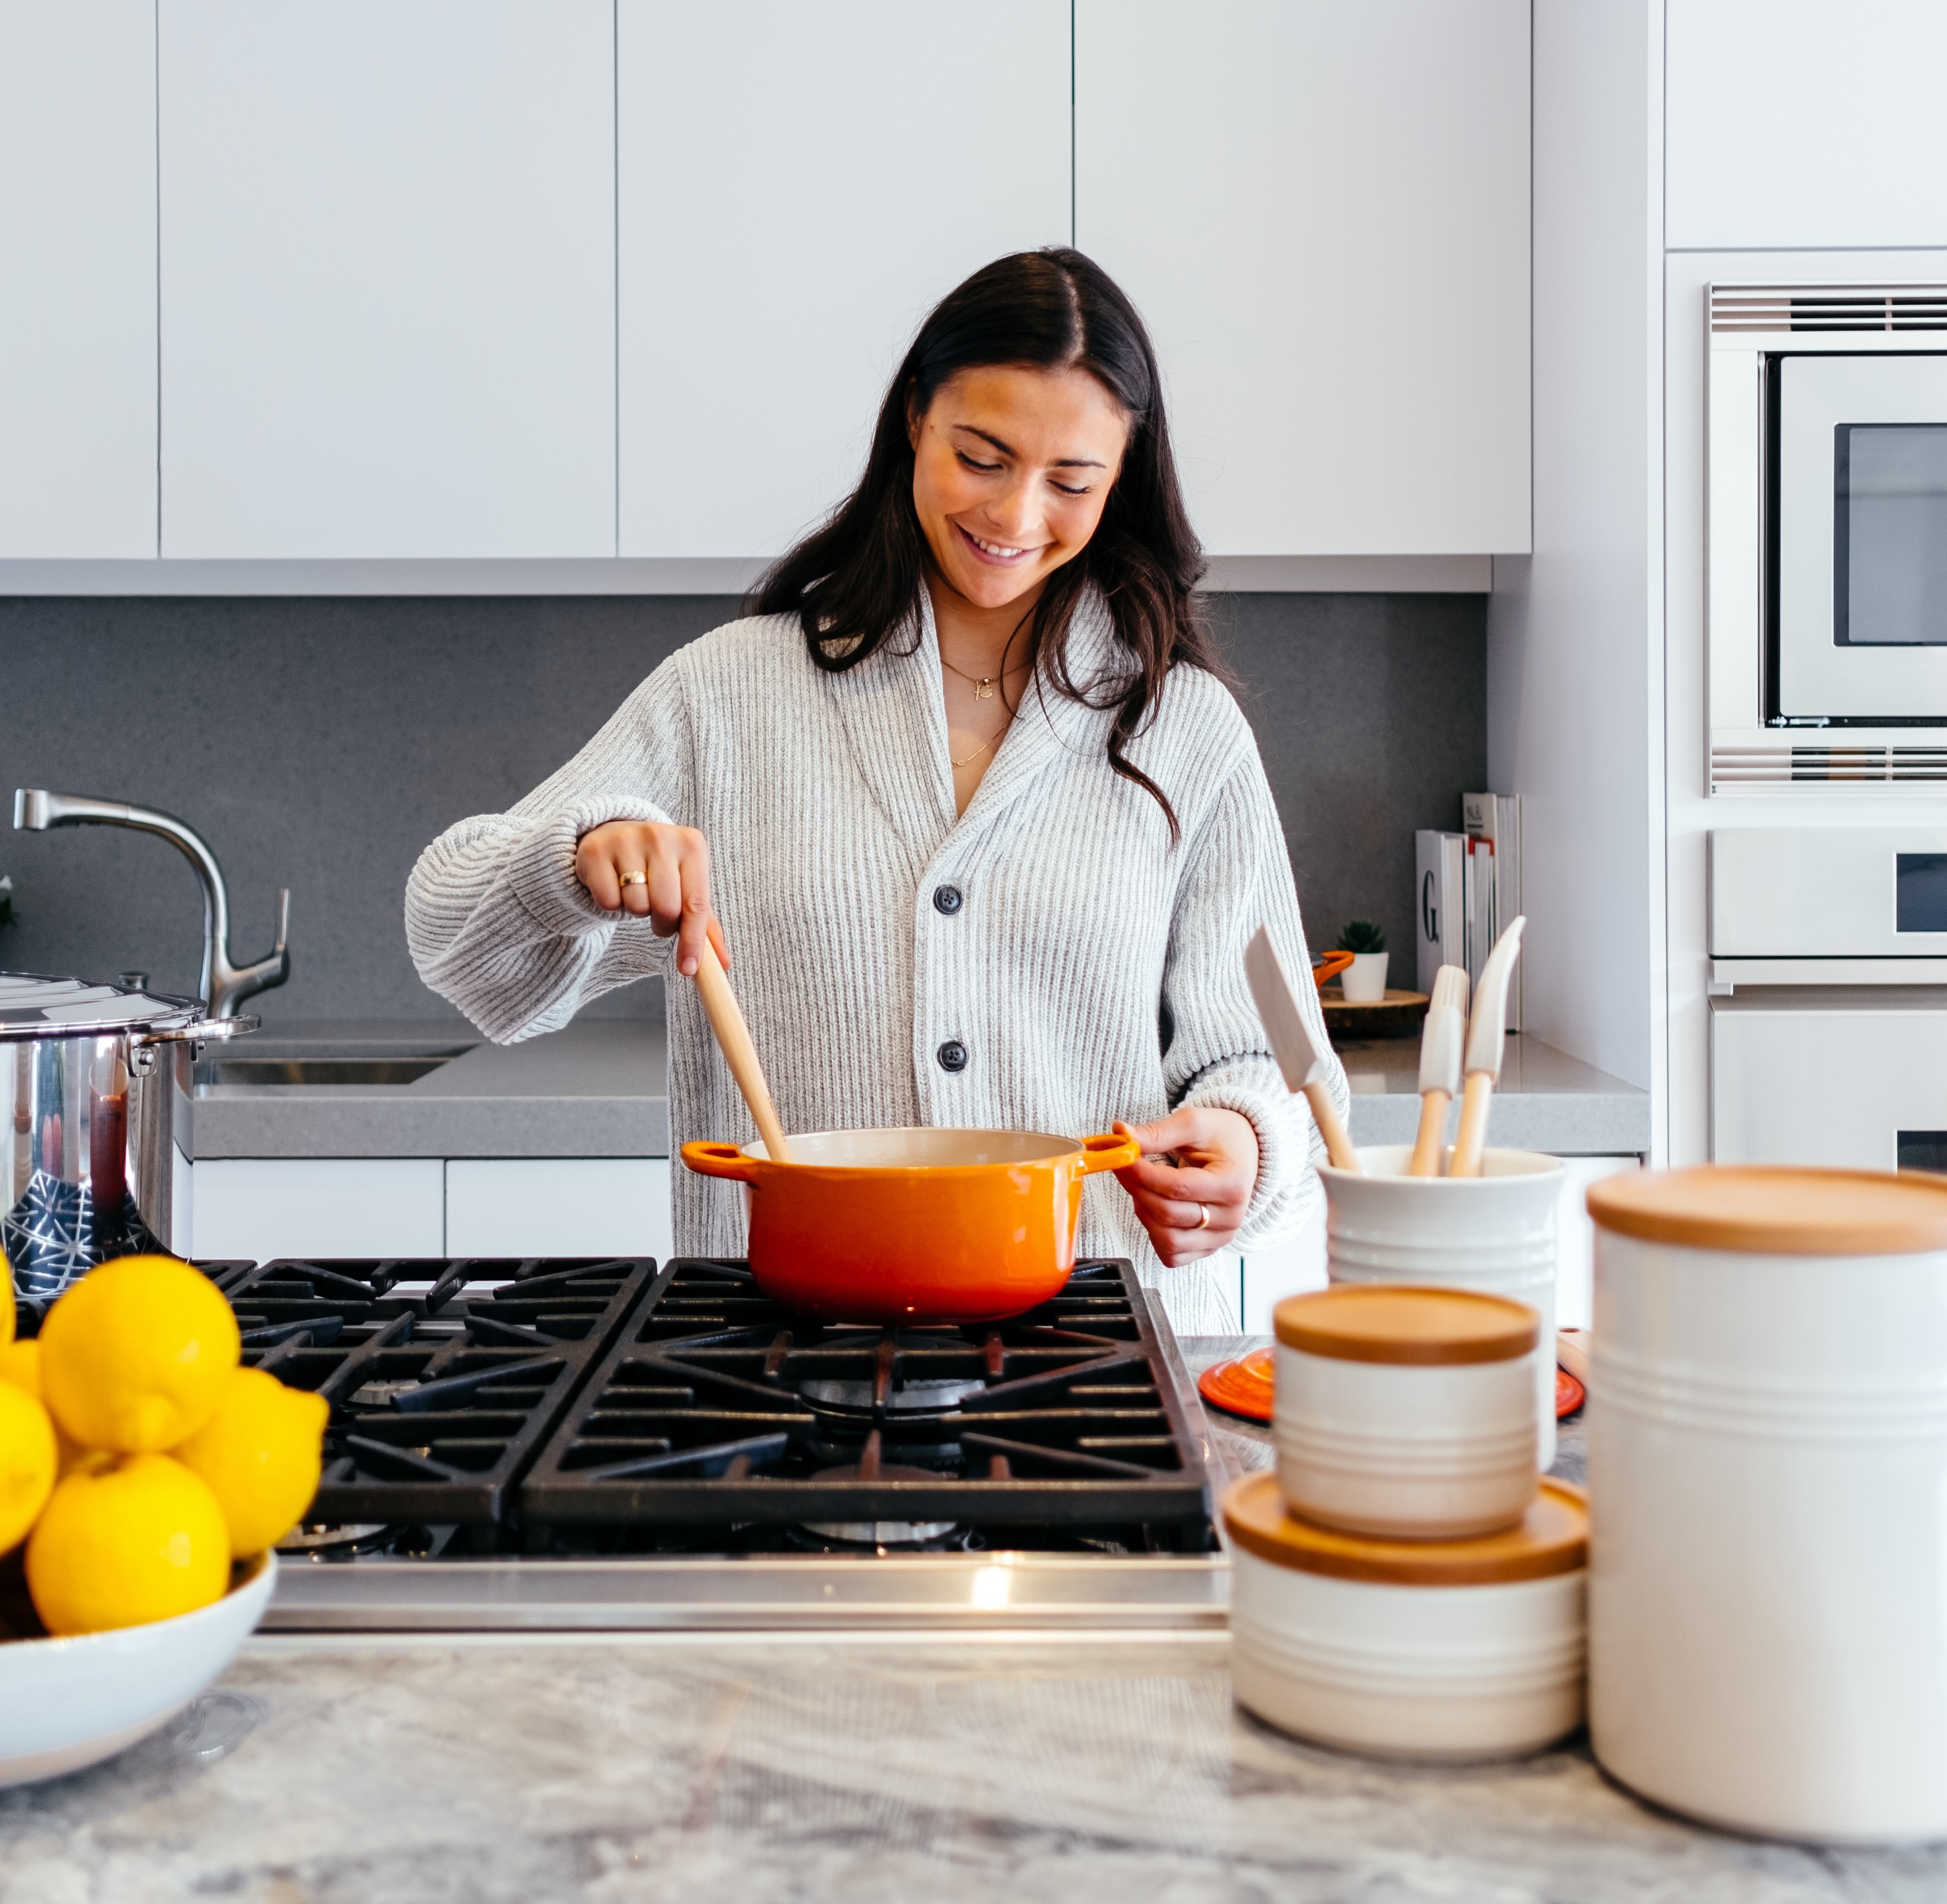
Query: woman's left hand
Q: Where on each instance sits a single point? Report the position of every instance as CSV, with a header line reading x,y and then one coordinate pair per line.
x,y
1196,1204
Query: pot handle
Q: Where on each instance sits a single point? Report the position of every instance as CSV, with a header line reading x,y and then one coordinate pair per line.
x,y
1108,1152
210,1028
720,1160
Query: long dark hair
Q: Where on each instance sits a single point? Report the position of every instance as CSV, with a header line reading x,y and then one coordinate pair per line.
x,y
856,578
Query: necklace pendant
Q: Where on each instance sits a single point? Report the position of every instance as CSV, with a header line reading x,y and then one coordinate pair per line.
x,y
983,690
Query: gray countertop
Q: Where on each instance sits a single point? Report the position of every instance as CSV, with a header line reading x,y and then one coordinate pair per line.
x,y
598,1089
668,1769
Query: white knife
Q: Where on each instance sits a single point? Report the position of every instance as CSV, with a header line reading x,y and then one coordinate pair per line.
x,y
1487,1039
1298,1058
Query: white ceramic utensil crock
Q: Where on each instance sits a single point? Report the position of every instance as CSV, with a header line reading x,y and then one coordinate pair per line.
x,y
68,1703
1407,1412
1447,1649
1494,1232
1768,1461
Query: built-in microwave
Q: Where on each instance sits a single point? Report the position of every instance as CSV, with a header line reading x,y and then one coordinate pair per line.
x,y
1827,533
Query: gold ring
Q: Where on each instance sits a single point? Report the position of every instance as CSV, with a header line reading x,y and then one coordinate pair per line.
x,y
1203,1216
638,877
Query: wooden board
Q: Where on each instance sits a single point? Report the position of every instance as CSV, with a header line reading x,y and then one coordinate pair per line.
x,y
1394,1016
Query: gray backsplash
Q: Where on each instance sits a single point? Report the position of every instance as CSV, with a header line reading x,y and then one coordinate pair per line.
x,y
320,744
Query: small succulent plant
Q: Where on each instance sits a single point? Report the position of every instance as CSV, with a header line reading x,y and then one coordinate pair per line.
x,y
1362,935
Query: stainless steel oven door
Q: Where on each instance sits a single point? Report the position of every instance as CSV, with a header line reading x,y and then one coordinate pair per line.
x,y
1862,444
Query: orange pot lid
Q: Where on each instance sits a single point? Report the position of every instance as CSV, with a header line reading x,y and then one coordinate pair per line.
x,y
1569,1394
1552,1537
1381,1322
1243,1387
1766,1210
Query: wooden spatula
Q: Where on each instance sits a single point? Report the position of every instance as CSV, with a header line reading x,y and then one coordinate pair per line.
x,y
1440,1043
733,1037
1303,1066
1486,1038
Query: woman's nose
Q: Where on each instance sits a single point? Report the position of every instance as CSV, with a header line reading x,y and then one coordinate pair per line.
x,y
1012,512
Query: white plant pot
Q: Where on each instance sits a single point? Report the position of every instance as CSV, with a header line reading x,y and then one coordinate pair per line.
x,y
1364,982
1495,1232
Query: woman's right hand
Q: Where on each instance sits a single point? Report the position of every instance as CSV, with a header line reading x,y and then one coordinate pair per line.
x,y
674,895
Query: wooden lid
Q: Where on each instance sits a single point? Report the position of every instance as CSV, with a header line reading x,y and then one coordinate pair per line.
x,y
1551,1538
1764,1210
1406,1323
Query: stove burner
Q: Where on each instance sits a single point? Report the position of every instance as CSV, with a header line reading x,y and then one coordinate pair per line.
x,y
868,1468
908,1398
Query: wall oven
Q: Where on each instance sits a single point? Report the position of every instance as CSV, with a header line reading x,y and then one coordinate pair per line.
x,y
1827,533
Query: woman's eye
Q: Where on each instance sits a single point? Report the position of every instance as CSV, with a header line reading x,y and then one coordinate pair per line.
x,y
1066,491
985,468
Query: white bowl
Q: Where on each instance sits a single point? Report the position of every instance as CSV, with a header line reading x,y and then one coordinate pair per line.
x,y
68,1703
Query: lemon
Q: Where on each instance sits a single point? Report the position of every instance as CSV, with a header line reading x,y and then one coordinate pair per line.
x,y
262,1452
134,1357
20,1364
125,1540
6,1302
27,1463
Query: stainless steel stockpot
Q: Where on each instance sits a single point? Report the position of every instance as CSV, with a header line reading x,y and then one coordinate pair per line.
x,y
95,1097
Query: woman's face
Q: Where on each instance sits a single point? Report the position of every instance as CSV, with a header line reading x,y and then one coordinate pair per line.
x,y
1012,468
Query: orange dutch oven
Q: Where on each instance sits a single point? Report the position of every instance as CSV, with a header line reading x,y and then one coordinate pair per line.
x,y
920,1225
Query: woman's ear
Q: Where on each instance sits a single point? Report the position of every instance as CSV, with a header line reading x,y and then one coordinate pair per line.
x,y
915,417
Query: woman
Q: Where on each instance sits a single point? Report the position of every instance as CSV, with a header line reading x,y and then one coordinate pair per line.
x,y
965,794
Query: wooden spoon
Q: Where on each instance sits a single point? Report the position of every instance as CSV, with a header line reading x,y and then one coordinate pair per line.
x,y
733,1037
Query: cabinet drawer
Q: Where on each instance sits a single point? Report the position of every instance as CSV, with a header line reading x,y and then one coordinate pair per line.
x,y
558,1206
261,1207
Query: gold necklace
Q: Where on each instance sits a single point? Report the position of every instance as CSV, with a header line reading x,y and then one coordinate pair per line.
x,y
965,758
983,688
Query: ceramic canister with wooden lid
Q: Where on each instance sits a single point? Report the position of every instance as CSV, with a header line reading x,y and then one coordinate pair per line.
x,y
1495,1232
1767,1465
1407,1412
1431,1649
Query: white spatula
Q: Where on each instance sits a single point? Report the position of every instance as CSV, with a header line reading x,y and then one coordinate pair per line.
x,y
1486,1038
1298,1058
1441,1042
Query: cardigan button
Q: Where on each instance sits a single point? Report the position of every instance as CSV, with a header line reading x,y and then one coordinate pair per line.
x,y
948,899
953,1055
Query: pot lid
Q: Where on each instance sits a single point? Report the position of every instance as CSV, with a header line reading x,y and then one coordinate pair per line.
x,y
34,1006
1760,1210
1552,1537
1378,1322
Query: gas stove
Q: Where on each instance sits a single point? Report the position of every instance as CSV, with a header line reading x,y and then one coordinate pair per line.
x,y
597,1443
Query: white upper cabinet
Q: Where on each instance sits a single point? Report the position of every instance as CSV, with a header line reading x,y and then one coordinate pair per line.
x,y
1321,208
388,277
798,185
1805,123
77,278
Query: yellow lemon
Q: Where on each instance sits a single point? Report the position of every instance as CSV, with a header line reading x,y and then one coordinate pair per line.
x,y
122,1542
20,1364
27,1463
262,1452
134,1357
6,1302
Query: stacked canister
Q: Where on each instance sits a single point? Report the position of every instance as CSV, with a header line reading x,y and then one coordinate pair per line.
x,y
1405,1583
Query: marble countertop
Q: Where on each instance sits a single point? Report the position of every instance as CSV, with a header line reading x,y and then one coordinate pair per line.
x,y
670,1768
599,1088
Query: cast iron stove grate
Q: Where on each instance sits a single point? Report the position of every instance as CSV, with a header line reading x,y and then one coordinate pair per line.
x,y
717,1407
443,1376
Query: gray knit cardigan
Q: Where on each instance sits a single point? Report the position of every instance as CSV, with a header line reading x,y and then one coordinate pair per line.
x,y
1087,969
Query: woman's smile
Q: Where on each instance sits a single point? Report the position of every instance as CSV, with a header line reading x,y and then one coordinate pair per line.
x,y
1001,554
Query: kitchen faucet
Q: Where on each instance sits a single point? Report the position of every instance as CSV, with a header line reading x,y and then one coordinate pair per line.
x,y
223,986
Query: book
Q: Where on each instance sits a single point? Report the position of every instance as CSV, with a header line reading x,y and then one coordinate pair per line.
x,y
1440,902
1491,823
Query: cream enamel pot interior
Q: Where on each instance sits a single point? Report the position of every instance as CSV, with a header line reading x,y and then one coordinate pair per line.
x,y
917,1225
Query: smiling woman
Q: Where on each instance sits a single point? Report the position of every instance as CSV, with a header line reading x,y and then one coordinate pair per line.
x,y
967,794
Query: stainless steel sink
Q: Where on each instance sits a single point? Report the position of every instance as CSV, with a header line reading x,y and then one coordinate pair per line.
x,y
262,1073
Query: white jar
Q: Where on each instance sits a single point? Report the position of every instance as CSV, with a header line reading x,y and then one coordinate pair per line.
x,y
1462,1649
1768,1460
1494,1232
1407,1412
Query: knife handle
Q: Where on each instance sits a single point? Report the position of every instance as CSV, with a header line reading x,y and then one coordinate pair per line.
x,y
1426,1159
1476,1095
1325,1114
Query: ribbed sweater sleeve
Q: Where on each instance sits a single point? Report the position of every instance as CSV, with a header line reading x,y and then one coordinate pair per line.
x,y
497,921
1239,877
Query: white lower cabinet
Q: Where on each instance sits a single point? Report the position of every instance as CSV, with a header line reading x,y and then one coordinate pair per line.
x,y
558,1206
262,1207
1296,1263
